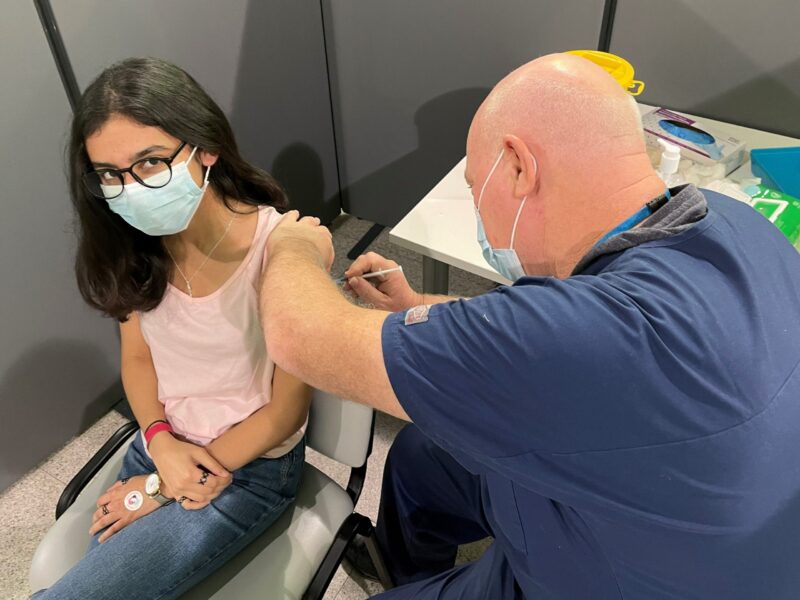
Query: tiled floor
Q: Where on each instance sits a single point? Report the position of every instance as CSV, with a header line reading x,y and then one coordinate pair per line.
x,y
27,508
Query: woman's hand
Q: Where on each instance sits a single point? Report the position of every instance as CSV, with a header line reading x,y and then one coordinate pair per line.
x,y
111,507
188,472
387,292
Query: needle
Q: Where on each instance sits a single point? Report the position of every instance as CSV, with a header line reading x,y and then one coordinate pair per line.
x,y
342,279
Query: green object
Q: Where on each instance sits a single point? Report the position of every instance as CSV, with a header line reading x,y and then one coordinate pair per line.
x,y
780,209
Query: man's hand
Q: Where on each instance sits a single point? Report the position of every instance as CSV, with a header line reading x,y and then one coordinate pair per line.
x,y
308,231
387,292
182,466
111,511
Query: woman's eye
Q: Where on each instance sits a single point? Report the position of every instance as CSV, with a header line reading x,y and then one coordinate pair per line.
x,y
151,163
107,176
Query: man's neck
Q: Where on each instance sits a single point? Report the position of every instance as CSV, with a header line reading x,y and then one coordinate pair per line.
x,y
606,213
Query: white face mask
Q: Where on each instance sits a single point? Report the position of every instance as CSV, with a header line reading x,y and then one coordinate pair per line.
x,y
505,261
165,210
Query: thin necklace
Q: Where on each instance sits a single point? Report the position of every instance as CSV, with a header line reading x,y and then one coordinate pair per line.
x,y
188,280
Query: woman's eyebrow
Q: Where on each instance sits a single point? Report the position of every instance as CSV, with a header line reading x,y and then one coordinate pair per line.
x,y
133,158
147,151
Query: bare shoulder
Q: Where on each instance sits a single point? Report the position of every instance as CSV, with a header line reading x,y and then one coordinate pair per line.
x,y
243,227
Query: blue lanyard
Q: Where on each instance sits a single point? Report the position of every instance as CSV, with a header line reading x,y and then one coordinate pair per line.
x,y
639,216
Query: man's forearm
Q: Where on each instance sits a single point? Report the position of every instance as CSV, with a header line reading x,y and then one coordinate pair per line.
x,y
262,431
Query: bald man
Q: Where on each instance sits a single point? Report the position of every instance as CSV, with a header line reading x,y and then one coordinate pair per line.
x,y
624,420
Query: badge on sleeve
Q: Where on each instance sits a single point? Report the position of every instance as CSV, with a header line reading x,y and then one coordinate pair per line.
x,y
418,314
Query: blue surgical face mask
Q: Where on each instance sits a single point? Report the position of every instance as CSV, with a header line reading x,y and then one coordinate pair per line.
x,y
161,211
505,261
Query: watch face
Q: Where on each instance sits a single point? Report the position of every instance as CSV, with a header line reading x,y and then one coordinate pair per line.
x,y
151,484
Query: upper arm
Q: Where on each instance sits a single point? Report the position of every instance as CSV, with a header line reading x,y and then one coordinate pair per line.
x,y
132,342
290,393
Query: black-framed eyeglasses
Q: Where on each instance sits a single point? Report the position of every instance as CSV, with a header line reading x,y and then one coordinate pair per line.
x,y
152,172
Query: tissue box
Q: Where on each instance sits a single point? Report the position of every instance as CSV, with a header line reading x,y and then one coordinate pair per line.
x,y
700,142
781,209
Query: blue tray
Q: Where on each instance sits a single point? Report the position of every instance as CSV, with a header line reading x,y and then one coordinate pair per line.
x,y
779,168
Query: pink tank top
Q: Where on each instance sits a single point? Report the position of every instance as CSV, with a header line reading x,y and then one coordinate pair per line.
x,y
209,353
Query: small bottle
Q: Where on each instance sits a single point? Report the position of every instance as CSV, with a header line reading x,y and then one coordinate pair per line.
x,y
670,159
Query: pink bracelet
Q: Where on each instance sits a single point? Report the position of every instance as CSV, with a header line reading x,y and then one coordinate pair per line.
x,y
155,428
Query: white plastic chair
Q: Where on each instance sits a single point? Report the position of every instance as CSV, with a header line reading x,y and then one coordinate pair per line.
x,y
295,558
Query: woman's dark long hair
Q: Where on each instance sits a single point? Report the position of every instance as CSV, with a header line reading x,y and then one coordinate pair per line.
x,y
119,268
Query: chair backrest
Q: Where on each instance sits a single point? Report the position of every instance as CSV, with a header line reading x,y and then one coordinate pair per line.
x,y
340,429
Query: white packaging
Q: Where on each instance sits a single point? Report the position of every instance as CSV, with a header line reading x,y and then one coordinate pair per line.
x,y
698,141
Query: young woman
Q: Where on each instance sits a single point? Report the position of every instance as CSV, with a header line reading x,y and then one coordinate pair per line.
x,y
173,226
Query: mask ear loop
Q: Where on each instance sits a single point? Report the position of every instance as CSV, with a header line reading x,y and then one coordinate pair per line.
x,y
205,179
488,177
521,206
208,169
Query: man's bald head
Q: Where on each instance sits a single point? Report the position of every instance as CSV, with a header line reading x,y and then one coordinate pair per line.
x,y
573,163
564,104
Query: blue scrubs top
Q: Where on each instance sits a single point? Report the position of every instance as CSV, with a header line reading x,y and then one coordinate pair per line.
x,y
636,427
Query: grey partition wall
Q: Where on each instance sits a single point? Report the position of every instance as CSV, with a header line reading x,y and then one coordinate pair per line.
x,y
406,78
733,61
59,361
262,61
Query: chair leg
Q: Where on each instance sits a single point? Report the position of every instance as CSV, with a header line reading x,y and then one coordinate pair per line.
x,y
344,536
355,524
371,541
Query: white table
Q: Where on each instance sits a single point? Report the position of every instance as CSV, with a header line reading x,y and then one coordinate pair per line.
x,y
442,225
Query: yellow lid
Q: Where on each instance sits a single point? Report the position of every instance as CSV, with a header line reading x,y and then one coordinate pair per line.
x,y
619,68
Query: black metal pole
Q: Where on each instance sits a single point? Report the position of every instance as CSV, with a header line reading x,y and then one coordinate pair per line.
x,y
607,27
330,100
58,50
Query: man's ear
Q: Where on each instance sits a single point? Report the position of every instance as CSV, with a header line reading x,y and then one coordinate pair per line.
x,y
526,168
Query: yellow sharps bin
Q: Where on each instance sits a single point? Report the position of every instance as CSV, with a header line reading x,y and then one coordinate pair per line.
x,y
619,68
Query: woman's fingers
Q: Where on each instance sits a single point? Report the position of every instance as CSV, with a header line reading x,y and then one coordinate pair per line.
x,y
199,493
114,528
107,495
102,521
192,505
204,459
105,499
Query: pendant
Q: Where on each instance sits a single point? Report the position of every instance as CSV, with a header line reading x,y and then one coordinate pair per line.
x,y
189,289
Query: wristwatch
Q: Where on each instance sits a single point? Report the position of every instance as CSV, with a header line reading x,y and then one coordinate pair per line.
x,y
152,487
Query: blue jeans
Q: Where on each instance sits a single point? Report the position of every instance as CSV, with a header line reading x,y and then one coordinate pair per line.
x,y
167,552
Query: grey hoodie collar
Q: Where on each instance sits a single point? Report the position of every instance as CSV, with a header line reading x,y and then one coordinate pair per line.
x,y
686,207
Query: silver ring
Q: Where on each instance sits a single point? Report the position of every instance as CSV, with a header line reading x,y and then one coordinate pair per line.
x,y
182,499
104,509
204,478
